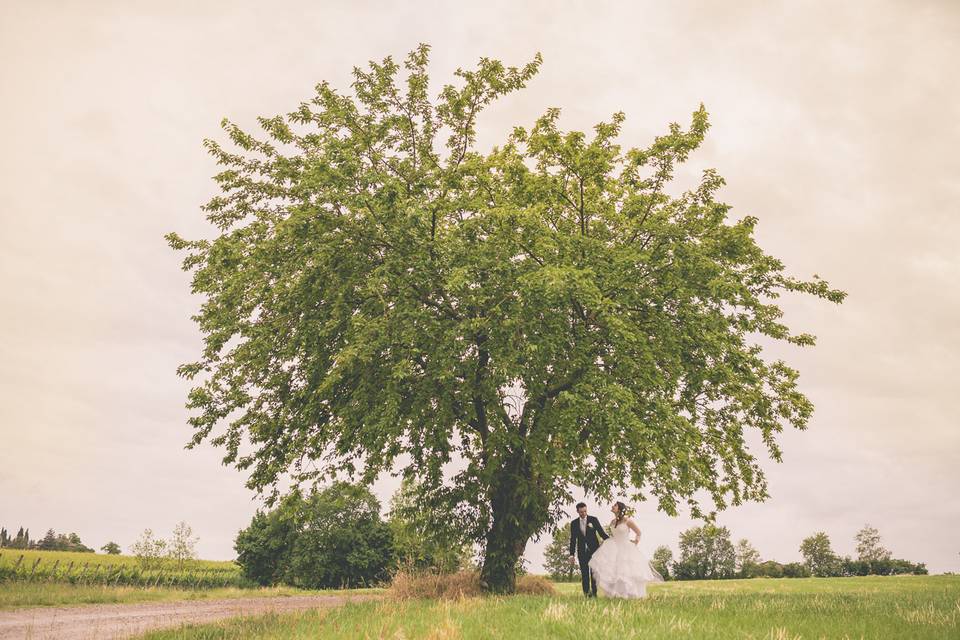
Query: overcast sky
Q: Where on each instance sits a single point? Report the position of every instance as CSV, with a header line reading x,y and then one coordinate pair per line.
x,y
836,124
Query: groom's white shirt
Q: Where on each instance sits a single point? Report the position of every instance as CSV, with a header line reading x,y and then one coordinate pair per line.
x,y
583,526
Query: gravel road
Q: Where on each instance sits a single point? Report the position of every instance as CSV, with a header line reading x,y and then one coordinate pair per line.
x,y
109,621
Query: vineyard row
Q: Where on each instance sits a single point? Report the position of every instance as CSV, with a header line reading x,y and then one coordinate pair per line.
x,y
87,573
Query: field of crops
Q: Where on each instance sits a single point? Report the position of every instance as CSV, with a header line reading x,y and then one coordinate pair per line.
x,y
27,565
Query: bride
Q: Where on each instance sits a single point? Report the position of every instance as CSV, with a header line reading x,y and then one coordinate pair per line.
x,y
618,566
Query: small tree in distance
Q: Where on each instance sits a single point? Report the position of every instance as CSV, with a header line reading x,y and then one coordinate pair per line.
x,y
53,541
662,561
18,541
819,557
182,545
557,556
48,541
111,548
706,553
869,548
150,551
747,559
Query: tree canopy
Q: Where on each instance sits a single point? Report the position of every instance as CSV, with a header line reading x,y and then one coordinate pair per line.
x,y
424,540
503,324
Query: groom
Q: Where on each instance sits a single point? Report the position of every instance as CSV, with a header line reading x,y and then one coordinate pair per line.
x,y
585,534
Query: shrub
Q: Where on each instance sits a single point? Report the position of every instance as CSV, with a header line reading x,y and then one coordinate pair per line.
x,y
770,569
795,570
332,538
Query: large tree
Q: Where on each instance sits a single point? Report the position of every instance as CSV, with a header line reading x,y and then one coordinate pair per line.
x,y
383,293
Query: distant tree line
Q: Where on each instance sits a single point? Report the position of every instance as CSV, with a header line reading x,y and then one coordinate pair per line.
x,y
708,552
21,541
51,541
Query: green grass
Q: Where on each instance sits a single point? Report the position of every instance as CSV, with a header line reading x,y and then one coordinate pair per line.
x,y
898,607
31,594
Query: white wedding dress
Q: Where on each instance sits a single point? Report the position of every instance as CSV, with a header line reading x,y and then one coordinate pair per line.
x,y
620,568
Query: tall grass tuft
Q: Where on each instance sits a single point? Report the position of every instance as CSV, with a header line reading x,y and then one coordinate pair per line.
x,y
454,586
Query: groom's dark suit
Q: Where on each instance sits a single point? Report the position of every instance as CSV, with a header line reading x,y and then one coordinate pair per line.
x,y
585,543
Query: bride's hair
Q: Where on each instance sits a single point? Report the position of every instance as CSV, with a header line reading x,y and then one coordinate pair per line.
x,y
621,512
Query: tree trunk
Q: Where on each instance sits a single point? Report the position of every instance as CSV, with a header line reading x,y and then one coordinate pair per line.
x,y
505,545
517,513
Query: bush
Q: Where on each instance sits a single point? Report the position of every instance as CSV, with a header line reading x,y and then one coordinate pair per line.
x,y
335,555
905,566
881,567
333,538
851,567
263,548
795,570
770,569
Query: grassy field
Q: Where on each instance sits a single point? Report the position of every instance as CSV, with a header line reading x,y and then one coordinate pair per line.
x,y
898,607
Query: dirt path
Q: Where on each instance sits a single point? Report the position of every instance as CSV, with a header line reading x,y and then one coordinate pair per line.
x,y
103,621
